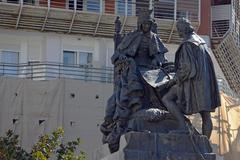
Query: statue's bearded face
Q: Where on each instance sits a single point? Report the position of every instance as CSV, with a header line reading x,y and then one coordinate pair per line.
x,y
146,26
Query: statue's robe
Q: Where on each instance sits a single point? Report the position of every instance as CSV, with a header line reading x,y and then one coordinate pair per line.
x,y
130,44
134,92
198,89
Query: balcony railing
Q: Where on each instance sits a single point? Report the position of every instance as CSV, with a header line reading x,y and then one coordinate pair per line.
x,y
49,70
96,17
163,9
221,20
220,28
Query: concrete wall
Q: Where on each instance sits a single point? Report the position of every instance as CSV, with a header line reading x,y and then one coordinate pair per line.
x,y
29,101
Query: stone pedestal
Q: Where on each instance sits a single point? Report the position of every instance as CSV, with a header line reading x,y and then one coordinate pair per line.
x,y
159,146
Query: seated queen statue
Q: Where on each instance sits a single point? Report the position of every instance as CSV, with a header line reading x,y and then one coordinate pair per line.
x,y
140,68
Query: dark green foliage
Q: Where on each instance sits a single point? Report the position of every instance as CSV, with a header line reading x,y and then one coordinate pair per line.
x,y
48,146
10,149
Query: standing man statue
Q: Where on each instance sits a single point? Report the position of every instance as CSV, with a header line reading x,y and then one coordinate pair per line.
x,y
194,88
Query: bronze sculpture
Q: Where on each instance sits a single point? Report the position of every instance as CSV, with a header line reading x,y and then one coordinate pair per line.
x,y
140,50
194,85
150,94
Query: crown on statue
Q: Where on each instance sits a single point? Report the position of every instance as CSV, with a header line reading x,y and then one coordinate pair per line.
x,y
145,15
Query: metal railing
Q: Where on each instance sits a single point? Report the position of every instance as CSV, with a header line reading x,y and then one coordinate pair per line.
x,y
164,9
50,70
220,28
221,23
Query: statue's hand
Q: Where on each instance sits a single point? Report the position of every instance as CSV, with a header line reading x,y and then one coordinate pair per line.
x,y
107,126
171,82
122,64
113,141
114,137
122,57
119,59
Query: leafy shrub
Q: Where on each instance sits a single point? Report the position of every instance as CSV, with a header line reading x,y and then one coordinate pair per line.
x,y
48,146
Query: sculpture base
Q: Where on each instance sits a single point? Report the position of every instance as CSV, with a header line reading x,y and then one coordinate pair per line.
x,y
159,146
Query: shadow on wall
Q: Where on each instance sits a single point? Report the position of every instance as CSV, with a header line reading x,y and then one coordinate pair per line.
x,y
225,137
234,152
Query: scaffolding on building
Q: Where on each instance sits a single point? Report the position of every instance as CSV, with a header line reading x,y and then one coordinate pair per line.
x,y
227,52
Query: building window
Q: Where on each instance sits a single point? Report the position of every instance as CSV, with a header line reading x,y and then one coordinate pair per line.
x,y
129,8
69,57
164,9
78,7
29,2
74,57
122,6
93,5
9,57
110,52
13,1
10,62
85,58
221,2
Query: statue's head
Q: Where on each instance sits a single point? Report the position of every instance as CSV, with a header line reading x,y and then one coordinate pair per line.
x,y
145,20
184,27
